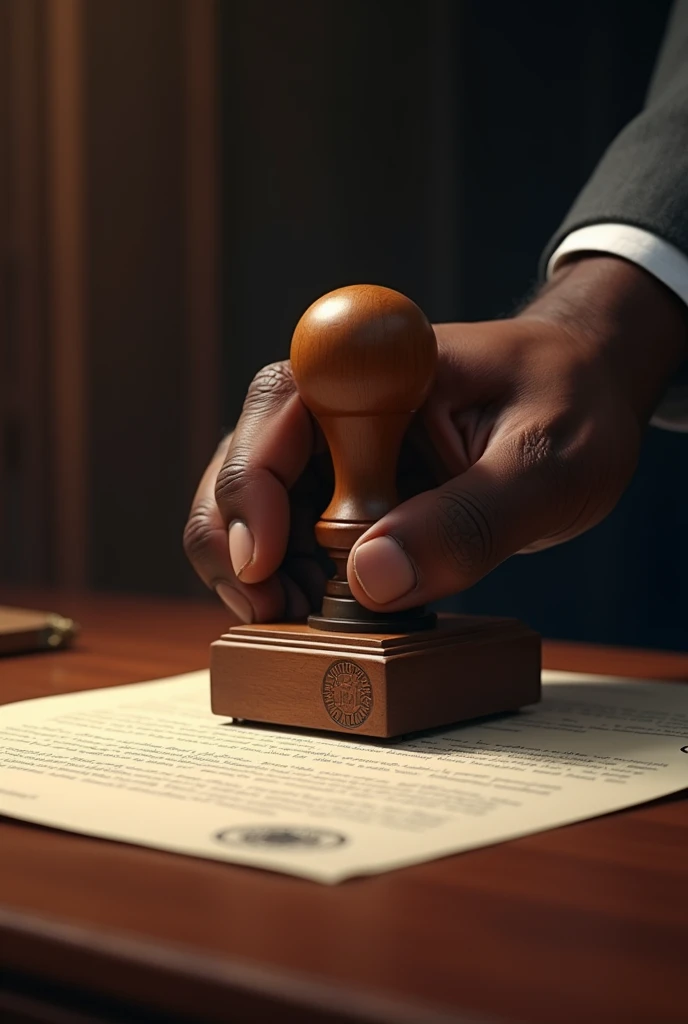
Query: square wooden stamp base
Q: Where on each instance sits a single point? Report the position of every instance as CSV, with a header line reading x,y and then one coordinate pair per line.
x,y
375,684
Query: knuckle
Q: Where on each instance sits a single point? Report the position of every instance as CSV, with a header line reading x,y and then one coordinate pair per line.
x,y
565,462
271,386
534,446
545,449
197,532
464,532
233,476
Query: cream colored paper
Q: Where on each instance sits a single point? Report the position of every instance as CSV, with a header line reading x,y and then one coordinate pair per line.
x,y
149,764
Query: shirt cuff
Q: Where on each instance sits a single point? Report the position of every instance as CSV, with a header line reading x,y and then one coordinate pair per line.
x,y
659,258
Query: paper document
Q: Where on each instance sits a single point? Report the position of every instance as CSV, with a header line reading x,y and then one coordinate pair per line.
x,y
149,764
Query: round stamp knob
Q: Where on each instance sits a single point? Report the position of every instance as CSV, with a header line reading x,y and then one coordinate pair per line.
x,y
363,359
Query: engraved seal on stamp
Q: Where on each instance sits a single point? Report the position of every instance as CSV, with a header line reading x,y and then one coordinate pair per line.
x,y
347,694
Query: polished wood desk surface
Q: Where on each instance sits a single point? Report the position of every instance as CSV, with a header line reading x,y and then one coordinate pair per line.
x,y
584,923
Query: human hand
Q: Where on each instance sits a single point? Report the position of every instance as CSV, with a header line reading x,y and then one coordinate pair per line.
x,y
528,438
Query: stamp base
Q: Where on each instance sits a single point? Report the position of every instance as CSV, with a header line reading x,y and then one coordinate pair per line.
x,y
379,685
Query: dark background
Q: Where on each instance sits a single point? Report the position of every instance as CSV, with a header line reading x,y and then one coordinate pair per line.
x,y
435,147
228,163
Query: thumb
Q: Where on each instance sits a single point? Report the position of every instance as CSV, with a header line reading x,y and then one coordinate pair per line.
x,y
445,540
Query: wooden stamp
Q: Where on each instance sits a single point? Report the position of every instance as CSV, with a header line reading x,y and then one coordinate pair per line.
x,y
363,360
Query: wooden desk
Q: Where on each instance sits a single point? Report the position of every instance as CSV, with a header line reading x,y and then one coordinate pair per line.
x,y
585,923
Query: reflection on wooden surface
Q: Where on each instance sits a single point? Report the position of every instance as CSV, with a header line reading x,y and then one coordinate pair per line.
x,y
582,923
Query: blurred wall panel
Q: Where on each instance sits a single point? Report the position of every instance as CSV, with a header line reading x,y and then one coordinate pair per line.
x,y
108,286
202,204
149,128
24,375
135,158
68,299
5,274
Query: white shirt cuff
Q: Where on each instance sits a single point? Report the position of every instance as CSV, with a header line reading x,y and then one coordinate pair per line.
x,y
661,259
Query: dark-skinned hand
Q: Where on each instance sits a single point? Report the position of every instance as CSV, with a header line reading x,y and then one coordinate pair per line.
x,y
528,438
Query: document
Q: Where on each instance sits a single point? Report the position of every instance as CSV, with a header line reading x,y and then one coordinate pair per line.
x,y
150,764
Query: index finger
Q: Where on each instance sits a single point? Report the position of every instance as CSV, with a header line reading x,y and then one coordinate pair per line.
x,y
271,446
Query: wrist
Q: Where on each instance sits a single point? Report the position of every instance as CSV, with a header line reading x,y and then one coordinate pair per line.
x,y
618,313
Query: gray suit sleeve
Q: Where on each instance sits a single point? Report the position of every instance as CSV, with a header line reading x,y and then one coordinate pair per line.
x,y
642,179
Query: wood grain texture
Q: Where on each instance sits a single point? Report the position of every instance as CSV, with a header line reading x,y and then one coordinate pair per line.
x,y
588,922
375,684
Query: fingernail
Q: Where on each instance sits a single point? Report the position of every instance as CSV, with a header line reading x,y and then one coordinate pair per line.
x,y
235,601
384,570
240,546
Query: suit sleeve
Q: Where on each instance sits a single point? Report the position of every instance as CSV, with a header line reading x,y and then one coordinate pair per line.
x,y
642,179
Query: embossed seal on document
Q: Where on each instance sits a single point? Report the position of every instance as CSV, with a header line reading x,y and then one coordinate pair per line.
x,y
347,694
